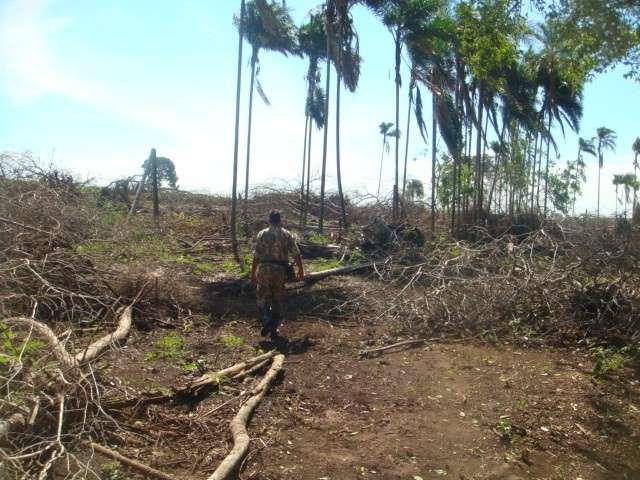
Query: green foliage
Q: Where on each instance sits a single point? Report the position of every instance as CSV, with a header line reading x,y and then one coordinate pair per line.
x,y
503,426
415,190
170,346
11,347
166,171
111,471
231,342
613,358
319,238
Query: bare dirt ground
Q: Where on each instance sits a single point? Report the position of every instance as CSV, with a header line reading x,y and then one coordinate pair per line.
x,y
450,409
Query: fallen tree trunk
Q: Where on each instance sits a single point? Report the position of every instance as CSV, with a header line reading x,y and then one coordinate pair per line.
x,y
239,423
313,277
227,285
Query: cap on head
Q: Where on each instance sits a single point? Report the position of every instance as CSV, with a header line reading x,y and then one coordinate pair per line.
x,y
274,217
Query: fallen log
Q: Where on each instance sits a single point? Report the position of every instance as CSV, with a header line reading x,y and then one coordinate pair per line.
x,y
239,423
227,285
134,464
313,277
374,351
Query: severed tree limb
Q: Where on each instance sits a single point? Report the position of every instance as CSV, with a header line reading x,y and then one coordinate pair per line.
x,y
44,332
373,351
215,377
71,362
121,333
313,277
134,464
239,423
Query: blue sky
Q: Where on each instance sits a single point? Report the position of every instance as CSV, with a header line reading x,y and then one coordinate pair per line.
x,y
94,85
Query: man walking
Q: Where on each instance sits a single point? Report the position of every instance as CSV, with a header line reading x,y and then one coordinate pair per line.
x,y
269,271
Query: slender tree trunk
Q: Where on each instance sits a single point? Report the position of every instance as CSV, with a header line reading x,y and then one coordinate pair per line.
x,y
324,142
546,169
497,169
599,172
533,170
406,146
154,185
616,203
308,193
254,61
307,121
234,183
434,124
384,142
483,160
635,190
395,185
343,209
478,173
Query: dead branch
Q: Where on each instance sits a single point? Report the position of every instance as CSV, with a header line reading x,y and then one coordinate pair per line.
x,y
374,351
44,332
235,371
134,464
239,423
120,334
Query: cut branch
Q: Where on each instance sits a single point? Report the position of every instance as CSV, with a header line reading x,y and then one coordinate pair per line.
x,y
374,351
239,423
120,334
134,464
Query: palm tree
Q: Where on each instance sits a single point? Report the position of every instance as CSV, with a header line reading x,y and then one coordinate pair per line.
x,y
617,181
385,131
415,190
606,141
562,99
267,27
585,146
401,18
347,64
234,183
312,42
636,151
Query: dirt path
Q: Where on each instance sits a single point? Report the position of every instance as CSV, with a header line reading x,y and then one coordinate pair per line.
x,y
456,410
449,410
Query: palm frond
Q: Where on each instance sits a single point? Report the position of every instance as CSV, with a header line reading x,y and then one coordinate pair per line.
x,y
418,110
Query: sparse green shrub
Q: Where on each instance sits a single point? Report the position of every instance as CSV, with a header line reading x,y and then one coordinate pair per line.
x,y
231,341
11,347
170,346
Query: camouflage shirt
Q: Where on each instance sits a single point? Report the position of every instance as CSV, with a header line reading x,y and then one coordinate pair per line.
x,y
275,244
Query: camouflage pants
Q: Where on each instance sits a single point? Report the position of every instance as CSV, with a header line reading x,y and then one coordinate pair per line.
x,y
270,289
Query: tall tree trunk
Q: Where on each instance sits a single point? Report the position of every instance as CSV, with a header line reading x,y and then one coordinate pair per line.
x,y
234,183
308,193
478,172
395,184
254,61
326,131
616,203
538,146
406,146
497,169
307,121
546,169
434,125
635,190
154,185
599,172
384,142
343,209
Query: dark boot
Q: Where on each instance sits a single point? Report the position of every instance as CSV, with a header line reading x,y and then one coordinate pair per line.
x,y
266,321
